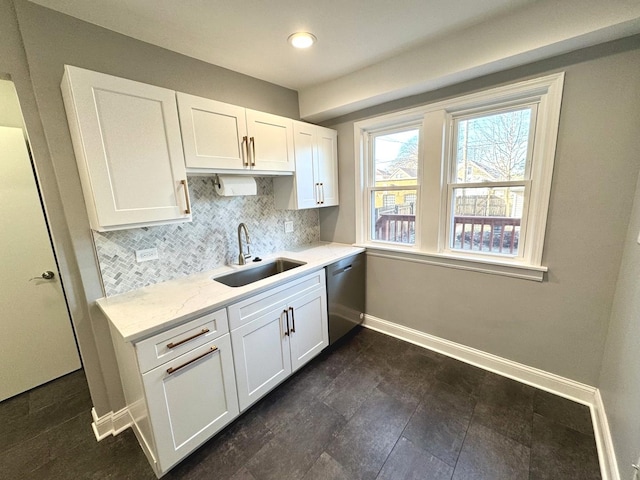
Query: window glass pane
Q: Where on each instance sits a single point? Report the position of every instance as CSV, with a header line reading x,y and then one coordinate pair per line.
x,y
487,219
396,158
493,148
393,218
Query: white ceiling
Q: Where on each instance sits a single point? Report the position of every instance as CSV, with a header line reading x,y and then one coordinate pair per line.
x,y
368,51
250,36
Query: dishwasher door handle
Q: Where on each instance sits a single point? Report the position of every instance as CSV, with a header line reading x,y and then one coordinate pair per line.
x,y
338,271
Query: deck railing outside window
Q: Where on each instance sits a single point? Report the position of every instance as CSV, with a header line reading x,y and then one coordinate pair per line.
x,y
474,233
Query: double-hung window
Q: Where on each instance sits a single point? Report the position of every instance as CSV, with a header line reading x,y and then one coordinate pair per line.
x,y
464,182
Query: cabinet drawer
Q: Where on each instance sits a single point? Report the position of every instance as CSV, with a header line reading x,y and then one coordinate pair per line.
x,y
172,343
251,308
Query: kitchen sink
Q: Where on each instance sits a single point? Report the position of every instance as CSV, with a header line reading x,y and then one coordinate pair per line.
x,y
253,274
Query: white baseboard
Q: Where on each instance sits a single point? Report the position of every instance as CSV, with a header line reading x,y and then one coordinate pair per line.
x,y
550,382
111,423
606,451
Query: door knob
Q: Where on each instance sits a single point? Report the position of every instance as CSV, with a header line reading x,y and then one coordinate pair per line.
x,y
48,275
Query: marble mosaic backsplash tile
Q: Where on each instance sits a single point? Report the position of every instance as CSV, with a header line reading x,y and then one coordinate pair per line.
x,y
209,241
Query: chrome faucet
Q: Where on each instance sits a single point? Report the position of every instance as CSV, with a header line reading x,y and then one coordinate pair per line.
x,y
243,257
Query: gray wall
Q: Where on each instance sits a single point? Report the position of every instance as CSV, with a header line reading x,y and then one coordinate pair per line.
x,y
620,377
51,40
559,325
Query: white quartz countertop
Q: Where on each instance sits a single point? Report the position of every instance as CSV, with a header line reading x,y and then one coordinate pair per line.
x,y
148,310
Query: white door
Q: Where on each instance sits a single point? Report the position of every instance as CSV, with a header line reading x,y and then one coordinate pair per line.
x,y
327,165
261,355
309,329
37,342
307,187
270,141
127,141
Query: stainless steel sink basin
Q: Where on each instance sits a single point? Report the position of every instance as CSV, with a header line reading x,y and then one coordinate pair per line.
x,y
253,274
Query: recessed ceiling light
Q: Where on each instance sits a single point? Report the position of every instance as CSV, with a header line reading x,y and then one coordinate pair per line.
x,y
302,39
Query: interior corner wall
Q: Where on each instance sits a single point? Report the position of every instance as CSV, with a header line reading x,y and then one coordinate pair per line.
x,y
558,325
50,41
620,376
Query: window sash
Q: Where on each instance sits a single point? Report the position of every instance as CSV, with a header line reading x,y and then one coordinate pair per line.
x,y
492,110
449,230
370,186
371,209
447,221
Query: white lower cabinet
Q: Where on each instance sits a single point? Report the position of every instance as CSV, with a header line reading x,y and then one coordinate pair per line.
x,y
275,333
185,383
180,387
190,399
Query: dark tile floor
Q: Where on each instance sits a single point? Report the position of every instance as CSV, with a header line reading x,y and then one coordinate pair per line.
x,y
372,407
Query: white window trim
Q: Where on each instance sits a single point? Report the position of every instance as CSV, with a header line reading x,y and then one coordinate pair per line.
x,y
431,245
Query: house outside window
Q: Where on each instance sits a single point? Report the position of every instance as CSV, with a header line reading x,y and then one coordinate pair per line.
x,y
462,183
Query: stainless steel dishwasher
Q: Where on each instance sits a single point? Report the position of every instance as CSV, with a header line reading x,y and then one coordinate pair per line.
x,y
345,295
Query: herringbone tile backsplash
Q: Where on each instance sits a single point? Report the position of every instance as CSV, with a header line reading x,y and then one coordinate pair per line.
x,y
209,241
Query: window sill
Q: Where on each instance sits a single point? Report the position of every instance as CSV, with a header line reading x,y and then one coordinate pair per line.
x,y
460,262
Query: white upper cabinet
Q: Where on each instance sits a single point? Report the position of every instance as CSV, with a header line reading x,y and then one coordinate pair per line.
x,y
214,134
315,183
270,141
126,137
218,137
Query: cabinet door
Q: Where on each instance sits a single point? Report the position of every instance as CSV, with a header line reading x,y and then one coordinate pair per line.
x,y
306,185
261,355
213,133
193,402
126,137
271,142
309,329
327,165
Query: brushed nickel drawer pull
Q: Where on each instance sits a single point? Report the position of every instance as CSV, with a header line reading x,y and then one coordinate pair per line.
x,y
186,196
293,321
174,345
245,142
253,149
209,352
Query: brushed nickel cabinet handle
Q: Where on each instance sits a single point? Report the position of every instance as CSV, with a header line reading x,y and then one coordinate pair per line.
x,y
245,143
208,352
287,315
253,149
186,196
293,321
322,190
318,193
174,345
